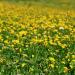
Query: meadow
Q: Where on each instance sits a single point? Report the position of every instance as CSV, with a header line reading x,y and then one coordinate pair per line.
x,y
36,40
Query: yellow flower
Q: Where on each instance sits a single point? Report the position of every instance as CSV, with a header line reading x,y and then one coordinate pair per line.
x,y
39,40
15,41
66,69
63,45
45,42
2,60
0,37
63,62
23,26
51,65
34,40
0,30
52,60
6,42
21,33
73,61
73,56
35,31
51,42
12,32
59,43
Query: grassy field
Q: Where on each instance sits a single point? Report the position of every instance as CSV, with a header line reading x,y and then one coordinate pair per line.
x,y
69,4
37,38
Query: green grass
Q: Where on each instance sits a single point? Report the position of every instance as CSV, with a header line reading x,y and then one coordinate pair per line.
x,y
68,4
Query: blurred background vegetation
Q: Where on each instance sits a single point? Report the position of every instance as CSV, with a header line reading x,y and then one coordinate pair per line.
x,y
52,3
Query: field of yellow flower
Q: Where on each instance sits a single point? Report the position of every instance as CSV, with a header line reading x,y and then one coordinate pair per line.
x,y
36,40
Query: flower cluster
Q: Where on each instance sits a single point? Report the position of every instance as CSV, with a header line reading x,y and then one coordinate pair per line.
x,y
36,40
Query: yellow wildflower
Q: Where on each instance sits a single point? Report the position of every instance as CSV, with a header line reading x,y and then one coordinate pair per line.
x,y
15,41
21,33
23,64
52,60
66,69
73,61
12,32
6,42
73,56
63,45
0,37
51,65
